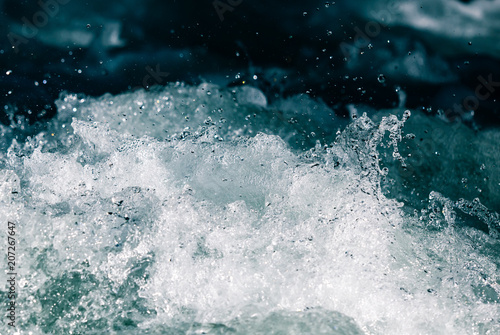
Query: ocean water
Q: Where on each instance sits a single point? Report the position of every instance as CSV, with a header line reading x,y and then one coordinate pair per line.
x,y
209,210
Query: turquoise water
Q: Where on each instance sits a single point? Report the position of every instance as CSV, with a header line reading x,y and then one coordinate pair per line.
x,y
202,210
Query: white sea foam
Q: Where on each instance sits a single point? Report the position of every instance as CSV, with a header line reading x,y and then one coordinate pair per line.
x,y
130,222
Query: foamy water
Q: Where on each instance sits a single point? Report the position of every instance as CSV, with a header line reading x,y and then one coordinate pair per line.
x,y
203,210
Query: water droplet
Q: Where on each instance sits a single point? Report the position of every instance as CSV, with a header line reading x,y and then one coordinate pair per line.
x,y
9,72
88,25
410,137
470,43
381,78
304,13
406,115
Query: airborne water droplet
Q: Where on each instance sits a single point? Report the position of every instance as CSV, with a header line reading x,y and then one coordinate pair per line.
x,y
381,78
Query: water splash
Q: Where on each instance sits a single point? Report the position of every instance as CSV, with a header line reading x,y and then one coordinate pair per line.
x,y
133,224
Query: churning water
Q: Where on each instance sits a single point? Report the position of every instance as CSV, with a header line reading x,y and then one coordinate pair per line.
x,y
204,210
